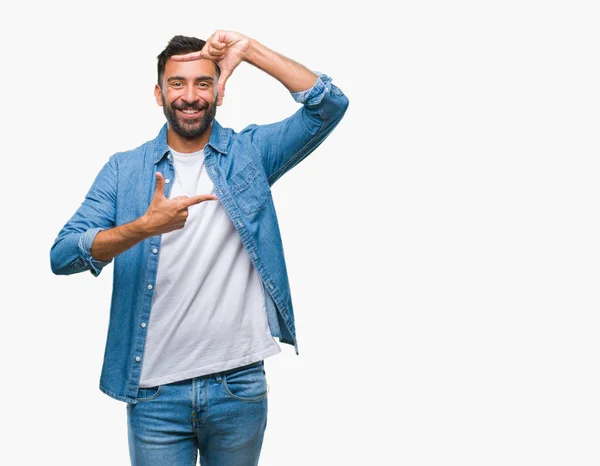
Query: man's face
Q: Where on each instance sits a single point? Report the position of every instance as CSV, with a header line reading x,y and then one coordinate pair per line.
x,y
188,96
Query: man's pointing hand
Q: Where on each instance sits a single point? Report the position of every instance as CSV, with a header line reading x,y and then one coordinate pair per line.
x,y
164,214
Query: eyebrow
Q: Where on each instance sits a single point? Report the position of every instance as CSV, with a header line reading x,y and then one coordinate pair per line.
x,y
199,78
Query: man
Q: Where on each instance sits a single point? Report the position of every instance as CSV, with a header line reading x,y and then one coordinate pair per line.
x,y
200,287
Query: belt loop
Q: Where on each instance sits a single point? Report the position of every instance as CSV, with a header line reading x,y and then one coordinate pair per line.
x,y
218,377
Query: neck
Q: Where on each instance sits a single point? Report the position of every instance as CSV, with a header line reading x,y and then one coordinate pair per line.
x,y
184,145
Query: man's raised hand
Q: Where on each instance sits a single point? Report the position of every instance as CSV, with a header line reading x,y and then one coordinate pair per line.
x,y
164,214
227,49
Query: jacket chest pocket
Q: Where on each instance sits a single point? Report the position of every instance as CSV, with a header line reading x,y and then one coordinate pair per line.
x,y
249,188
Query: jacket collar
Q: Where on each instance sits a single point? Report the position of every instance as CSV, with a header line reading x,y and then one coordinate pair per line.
x,y
218,141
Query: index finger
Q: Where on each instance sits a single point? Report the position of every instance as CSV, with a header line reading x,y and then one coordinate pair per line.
x,y
188,56
198,199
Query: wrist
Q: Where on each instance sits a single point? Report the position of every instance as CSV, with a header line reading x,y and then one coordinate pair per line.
x,y
141,228
253,51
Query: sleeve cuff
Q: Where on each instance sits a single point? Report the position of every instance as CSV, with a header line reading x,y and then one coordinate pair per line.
x,y
85,245
315,94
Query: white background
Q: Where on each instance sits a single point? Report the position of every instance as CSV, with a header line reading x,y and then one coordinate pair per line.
x,y
442,244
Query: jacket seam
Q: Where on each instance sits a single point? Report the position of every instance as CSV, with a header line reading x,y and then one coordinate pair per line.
x,y
117,397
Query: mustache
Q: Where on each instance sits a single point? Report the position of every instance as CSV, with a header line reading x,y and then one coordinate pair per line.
x,y
195,106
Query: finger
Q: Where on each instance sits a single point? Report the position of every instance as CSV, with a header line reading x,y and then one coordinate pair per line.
x,y
221,36
198,199
211,52
221,95
214,54
159,190
179,198
188,56
221,84
223,79
216,44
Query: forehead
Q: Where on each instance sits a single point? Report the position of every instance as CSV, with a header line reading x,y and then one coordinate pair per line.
x,y
190,69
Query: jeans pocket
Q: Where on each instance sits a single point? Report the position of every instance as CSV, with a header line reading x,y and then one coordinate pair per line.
x,y
147,394
248,384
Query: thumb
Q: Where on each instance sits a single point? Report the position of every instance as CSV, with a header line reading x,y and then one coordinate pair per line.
x,y
160,185
221,84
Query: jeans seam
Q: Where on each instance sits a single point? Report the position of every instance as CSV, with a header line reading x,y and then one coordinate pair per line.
x,y
206,398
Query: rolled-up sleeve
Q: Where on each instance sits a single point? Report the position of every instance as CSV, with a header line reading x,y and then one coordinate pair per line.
x,y
85,247
315,94
71,251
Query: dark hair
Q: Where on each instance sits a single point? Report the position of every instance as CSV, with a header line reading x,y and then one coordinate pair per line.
x,y
179,45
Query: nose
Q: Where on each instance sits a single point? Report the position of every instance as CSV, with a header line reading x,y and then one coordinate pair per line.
x,y
190,95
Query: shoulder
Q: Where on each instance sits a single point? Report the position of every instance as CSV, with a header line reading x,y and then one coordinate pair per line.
x,y
134,155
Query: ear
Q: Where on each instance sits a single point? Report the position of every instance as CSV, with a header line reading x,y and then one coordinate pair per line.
x,y
158,95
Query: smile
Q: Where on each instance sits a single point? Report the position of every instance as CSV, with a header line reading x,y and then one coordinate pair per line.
x,y
189,112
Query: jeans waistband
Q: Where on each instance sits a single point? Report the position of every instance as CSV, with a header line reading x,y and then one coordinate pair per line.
x,y
247,366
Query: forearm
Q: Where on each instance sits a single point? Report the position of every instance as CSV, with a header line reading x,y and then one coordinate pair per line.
x,y
294,76
112,242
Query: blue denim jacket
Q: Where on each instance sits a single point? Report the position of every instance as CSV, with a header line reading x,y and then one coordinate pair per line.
x,y
242,167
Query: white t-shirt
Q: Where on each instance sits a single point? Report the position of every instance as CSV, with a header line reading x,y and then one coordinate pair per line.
x,y
208,309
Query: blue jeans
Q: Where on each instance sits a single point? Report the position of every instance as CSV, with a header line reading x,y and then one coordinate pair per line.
x,y
222,415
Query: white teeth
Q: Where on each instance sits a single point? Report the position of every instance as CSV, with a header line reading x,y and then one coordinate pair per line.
x,y
190,111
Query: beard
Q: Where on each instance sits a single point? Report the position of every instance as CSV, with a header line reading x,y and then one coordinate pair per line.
x,y
190,128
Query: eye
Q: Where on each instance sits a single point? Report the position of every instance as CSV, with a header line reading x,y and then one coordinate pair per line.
x,y
204,85
176,84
